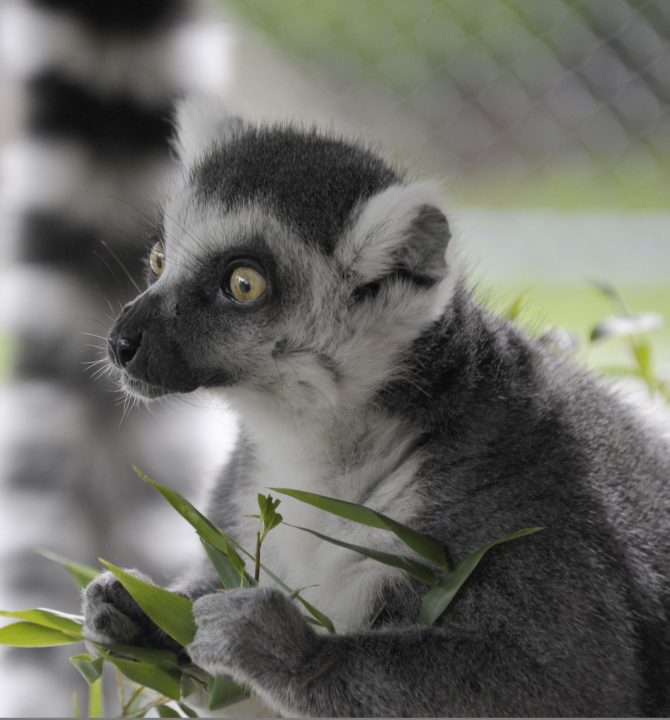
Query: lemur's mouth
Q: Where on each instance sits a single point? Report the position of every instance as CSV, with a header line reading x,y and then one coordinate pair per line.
x,y
142,389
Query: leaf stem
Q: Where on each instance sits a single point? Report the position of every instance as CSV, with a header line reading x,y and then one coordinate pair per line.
x,y
257,559
125,709
121,691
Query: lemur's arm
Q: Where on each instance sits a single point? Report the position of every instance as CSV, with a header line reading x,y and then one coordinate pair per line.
x,y
473,666
110,613
260,638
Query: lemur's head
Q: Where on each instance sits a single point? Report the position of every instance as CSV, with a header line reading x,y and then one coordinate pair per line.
x,y
289,263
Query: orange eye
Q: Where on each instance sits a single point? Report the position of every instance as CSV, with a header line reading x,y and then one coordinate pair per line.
x,y
246,284
157,259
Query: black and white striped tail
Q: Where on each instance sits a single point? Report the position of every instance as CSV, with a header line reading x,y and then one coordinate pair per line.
x,y
98,82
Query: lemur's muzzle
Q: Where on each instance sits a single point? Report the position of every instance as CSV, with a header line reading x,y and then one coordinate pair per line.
x,y
125,337
147,344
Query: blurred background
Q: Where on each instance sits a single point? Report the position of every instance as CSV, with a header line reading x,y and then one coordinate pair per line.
x,y
546,123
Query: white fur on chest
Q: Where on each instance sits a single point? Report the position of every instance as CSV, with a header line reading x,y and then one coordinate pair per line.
x,y
346,585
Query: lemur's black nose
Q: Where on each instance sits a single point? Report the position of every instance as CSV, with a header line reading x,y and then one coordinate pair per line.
x,y
124,348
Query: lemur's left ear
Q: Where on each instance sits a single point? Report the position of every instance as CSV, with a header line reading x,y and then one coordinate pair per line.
x,y
399,230
201,121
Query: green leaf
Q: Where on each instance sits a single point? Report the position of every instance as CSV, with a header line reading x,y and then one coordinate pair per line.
x,y
193,516
76,705
96,700
187,685
27,634
236,561
425,545
436,600
163,658
416,569
167,711
89,668
138,701
224,692
205,529
171,612
611,293
69,624
269,515
187,710
643,358
321,619
81,574
163,681
229,575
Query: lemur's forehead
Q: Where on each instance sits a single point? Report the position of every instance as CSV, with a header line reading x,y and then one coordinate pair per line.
x,y
308,181
198,230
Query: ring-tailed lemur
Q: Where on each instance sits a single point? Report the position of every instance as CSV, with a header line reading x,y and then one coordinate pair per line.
x,y
99,82
312,285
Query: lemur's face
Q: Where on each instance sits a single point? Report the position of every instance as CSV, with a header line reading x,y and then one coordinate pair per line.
x,y
288,264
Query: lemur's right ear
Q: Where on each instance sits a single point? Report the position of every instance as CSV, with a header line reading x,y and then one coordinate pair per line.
x,y
401,230
201,121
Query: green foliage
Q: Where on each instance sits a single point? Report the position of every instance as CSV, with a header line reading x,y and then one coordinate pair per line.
x,y
96,700
26,634
416,569
66,623
89,668
171,612
426,546
437,600
222,692
81,574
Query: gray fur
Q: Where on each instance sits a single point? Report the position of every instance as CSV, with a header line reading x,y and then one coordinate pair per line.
x,y
434,411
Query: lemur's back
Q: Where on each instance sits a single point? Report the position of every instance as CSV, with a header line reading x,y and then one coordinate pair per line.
x,y
523,438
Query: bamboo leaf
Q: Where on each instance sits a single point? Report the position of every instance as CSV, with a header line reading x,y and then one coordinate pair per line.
x,y
171,612
27,634
187,710
437,600
163,658
89,668
96,700
643,358
224,692
187,685
163,681
66,623
205,529
193,516
81,574
229,575
320,618
416,569
611,293
76,705
167,711
425,545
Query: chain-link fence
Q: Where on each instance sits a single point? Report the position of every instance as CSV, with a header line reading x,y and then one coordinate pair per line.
x,y
562,102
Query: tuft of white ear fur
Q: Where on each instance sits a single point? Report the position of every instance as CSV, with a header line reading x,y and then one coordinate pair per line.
x,y
202,121
381,236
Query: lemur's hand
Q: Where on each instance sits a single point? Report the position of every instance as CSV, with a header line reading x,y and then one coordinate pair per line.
x,y
251,634
111,616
